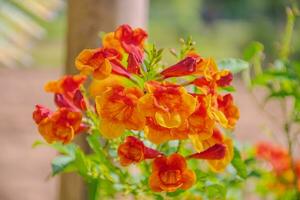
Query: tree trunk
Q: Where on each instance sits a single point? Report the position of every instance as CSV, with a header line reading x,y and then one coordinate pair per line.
x,y
86,18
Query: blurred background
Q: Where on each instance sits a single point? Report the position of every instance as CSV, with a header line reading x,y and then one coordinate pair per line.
x,y
40,38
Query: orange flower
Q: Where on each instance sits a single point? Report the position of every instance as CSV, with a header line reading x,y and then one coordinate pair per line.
x,y
131,38
171,173
110,41
211,77
231,112
276,155
298,172
132,41
97,87
118,111
100,62
67,85
67,91
158,134
134,151
61,125
169,104
217,165
200,123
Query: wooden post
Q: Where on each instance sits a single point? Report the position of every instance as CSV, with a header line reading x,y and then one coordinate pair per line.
x,y
86,18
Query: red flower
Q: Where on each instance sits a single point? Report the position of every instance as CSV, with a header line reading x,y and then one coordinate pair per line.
x,y
215,152
40,113
185,67
134,151
132,41
67,91
230,110
130,38
275,155
225,80
171,173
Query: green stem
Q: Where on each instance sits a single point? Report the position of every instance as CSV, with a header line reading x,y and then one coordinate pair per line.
x,y
94,190
288,33
178,146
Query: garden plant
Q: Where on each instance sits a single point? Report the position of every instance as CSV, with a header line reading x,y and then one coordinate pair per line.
x,y
153,129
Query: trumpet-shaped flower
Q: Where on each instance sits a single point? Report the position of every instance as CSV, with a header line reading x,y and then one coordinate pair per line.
x,y
184,67
217,165
100,62
67,85
97,87
200,123
169,104
117,108
215,152
231,111
275,155
131,39
158,134
170,174
211,77
133,150
61,125
67,91
40,113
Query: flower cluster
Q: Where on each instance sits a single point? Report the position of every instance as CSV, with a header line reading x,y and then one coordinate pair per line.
x,y
281,166
131,92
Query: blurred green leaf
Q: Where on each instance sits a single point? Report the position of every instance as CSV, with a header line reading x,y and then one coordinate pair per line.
x,y
239,164
216,191
252,50
81,163
176,193
158,197
60,163
226,89
234,65
38,143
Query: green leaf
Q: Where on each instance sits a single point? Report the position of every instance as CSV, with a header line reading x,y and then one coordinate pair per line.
x,y
94,189
81,163
232,64
68,149
226,89
60,163
252,50
158,197
216,191
38,143
239,164
176,193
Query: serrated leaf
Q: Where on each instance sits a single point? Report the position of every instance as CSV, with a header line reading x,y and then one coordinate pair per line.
x,y
60,163
232,64
239,164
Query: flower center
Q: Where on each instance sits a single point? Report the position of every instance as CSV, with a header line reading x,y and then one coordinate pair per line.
x,y
134,154
170,177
